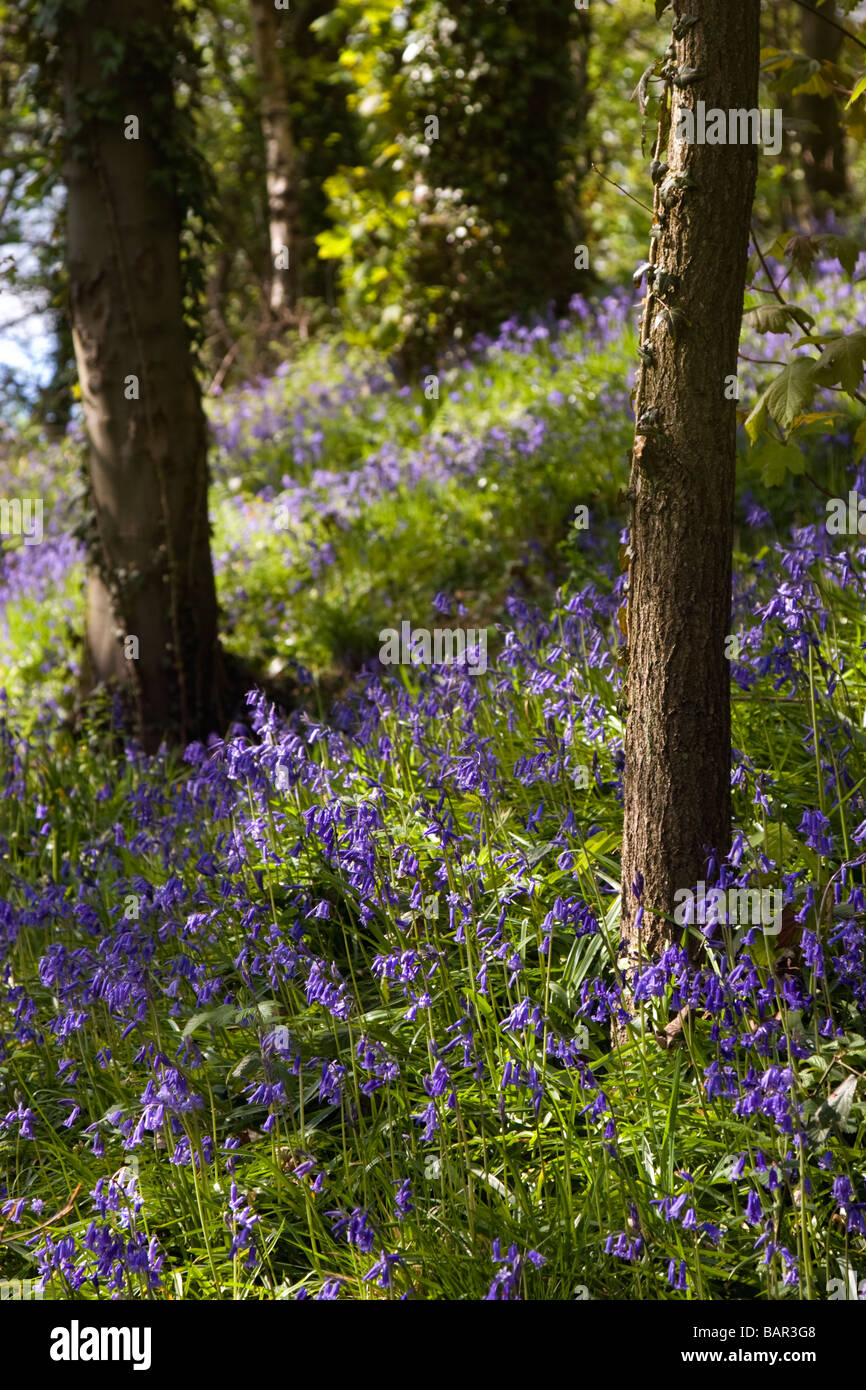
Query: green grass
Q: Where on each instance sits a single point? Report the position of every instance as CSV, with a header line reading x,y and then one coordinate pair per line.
x,y
150,916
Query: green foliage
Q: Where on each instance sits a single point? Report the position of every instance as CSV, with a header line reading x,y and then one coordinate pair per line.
x,y
230,137
459,532
821,364
548,1180
462,210
149,55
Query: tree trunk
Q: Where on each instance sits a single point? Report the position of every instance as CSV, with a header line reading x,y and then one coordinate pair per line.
x,y
824,159
678,740
151,603
280,157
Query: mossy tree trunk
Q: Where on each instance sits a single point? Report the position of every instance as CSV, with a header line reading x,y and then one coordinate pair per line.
x,y
151,602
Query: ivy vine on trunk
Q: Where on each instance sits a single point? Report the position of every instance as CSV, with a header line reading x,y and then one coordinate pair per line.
x,y
151,624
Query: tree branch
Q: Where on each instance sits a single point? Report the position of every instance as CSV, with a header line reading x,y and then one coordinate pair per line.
x,y
622,190
834,23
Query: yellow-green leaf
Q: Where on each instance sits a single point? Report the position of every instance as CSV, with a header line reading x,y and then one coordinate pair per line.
x,y
857,92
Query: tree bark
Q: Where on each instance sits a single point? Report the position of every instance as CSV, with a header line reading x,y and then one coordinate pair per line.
x,y
151,602
280,157
824,160
678,739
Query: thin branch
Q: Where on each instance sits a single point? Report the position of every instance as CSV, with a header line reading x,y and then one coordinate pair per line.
x,y
622,190
20,318
815,483
773,284
834,23
761,361
857,395
217,382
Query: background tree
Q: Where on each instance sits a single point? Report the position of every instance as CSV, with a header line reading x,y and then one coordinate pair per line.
x,y
824,158
281,161
678,742
242,334
464,210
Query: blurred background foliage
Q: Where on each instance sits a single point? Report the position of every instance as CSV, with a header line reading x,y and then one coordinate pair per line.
x,y
451,160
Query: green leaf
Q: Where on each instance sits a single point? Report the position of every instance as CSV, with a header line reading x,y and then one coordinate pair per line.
x,y
842,361
215,1018
845,250
841,1099
801,251
777,460
791,392
833,1116
857,92
785,398
670,1135
333,246
815,85
779,318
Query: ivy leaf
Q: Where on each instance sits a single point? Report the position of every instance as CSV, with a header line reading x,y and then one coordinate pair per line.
x,y
842,361
684,24
785,398
685,76
672,319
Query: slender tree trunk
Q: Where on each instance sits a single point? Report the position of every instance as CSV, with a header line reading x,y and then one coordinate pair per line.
x,y
280,156
678,741
824,161
151,610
